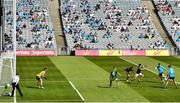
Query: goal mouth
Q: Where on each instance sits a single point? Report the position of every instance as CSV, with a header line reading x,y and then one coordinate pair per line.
x,y
7,69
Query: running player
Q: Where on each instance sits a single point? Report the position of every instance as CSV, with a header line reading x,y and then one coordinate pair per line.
x,y
128,72
39,77
139,72
114,77
171,76
160,69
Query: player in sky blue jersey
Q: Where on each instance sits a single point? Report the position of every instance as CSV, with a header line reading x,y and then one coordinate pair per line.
x,y
171,76
160,69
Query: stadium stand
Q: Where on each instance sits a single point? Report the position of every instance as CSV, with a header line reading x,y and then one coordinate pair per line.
x,y
109,24
1,39
1,34
8,25
0,66
168,11
34,27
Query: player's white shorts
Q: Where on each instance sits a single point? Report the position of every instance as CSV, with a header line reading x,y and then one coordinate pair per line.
x,y
140,74
116,79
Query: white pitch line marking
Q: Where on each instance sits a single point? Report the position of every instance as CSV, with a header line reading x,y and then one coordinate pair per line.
x,y
15,101
77,90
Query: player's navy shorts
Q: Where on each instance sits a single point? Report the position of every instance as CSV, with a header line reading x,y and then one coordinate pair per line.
x,y
160,74
171,77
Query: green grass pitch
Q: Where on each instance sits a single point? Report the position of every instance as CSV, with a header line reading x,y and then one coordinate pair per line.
x,y
57,87
90,75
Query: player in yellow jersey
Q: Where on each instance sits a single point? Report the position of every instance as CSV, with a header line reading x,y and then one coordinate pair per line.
x,y
39,77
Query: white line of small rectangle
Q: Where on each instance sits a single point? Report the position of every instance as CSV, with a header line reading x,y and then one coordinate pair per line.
x,y
77,91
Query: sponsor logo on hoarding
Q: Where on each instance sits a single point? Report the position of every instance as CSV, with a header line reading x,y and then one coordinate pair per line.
x,y
86,53
35,53
122,53
110,53
133,52
157,53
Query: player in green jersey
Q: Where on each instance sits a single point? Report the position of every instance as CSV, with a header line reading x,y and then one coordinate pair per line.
x,y
114,77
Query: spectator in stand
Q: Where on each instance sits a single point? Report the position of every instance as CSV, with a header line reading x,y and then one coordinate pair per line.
x,y
8,35
91,23
178,39
33,22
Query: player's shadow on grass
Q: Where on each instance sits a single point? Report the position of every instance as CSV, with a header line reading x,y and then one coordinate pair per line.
x,y
107,87
5,95
33,87
103,86
157,87
150,81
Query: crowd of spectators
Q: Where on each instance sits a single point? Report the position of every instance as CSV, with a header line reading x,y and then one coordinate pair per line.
x,y
8,27
176,29
164,7
33,25
109,24
171,21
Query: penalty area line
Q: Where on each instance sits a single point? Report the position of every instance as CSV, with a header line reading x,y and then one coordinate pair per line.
x,y
77,91
137,65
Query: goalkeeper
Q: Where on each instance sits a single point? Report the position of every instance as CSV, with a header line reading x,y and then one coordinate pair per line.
x,y
114,77
6,90
39,77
